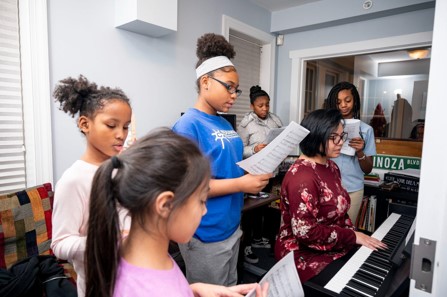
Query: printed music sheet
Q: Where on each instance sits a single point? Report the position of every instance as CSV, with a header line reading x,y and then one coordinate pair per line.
x,y
283,279
269,158
273,133
352,127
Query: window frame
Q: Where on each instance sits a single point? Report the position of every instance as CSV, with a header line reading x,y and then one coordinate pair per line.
x,y
36,91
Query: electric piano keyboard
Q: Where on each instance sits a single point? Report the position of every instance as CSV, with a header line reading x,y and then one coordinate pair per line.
x,y
367,272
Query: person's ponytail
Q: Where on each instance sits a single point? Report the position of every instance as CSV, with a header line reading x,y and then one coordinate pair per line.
x,y
103,237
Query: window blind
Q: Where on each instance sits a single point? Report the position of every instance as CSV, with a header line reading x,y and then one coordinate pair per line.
x,y
248,63
12,150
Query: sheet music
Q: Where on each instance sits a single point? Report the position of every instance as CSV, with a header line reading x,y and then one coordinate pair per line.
x,y
269,158
352,127
273,133
283,279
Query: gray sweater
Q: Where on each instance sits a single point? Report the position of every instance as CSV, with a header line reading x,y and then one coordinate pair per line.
x,y
253,130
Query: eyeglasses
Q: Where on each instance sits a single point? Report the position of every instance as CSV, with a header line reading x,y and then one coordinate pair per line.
x,y
229,88
336,138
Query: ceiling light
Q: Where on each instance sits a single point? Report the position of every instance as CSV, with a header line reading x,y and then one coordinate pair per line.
x,y
418,53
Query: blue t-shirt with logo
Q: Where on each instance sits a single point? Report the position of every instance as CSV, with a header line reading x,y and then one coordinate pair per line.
x,y
222,145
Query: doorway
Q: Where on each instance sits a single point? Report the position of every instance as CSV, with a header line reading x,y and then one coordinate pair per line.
x,y
392,86
300,58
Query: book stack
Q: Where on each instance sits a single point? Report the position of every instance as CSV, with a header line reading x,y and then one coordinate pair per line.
x,y
407,179
366,218
372,179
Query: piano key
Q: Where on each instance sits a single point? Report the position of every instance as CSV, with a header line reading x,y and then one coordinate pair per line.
x,y
382,265
355,292
346,293
394,237
389,239
371,268
366,283
341,278
361,287
374,279
366,277
366,267
380,257
381,252
374,269
361,274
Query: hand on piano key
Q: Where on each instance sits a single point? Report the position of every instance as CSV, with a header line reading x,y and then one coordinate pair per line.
x,y
369,242
367,272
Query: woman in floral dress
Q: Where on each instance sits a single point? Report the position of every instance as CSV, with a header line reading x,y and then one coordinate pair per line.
x,y
314,204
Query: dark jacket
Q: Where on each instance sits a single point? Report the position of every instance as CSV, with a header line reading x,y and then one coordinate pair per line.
x,y
36,276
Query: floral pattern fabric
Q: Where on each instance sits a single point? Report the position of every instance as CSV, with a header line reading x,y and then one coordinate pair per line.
x,y
314,219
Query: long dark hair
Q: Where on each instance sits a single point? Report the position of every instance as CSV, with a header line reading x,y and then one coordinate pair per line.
x,y
160,161
332,98
321,123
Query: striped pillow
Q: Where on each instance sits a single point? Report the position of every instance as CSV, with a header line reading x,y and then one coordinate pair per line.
x,y
25,224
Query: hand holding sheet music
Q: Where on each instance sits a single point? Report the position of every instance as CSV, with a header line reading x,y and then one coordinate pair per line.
x,y
269,158
352,127
283,279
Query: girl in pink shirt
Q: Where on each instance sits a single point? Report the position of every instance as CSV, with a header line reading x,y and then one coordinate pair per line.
x,y
163,181
103,117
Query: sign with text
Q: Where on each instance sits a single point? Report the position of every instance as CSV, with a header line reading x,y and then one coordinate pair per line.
x,y
390,162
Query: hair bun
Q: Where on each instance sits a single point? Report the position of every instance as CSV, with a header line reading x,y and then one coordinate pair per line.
x,y
212,45
71,93
83,91
255,89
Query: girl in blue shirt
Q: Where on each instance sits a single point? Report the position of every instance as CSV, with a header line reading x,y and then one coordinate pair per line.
x,y
345,97
211,255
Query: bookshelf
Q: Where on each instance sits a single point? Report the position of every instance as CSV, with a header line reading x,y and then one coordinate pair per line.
x,y
397,200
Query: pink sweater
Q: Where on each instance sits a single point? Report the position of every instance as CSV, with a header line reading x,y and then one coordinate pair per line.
x,y
70,217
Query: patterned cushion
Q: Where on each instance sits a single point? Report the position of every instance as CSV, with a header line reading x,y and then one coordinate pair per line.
x,y
25,224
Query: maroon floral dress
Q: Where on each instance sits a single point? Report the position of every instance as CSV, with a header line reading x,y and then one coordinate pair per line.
x,y
314,219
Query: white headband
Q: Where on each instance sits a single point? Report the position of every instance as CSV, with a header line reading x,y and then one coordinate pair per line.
x,y
212,64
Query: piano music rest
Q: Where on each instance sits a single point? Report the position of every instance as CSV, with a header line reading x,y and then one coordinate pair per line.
x,y
366,272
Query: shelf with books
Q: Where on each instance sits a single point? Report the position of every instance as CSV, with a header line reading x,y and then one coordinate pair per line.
x,y
385,198
366,218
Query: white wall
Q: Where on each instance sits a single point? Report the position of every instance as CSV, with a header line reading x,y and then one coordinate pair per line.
x,y
156,73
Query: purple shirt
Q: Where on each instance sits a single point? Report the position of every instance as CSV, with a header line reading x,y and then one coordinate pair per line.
x,y
142,282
